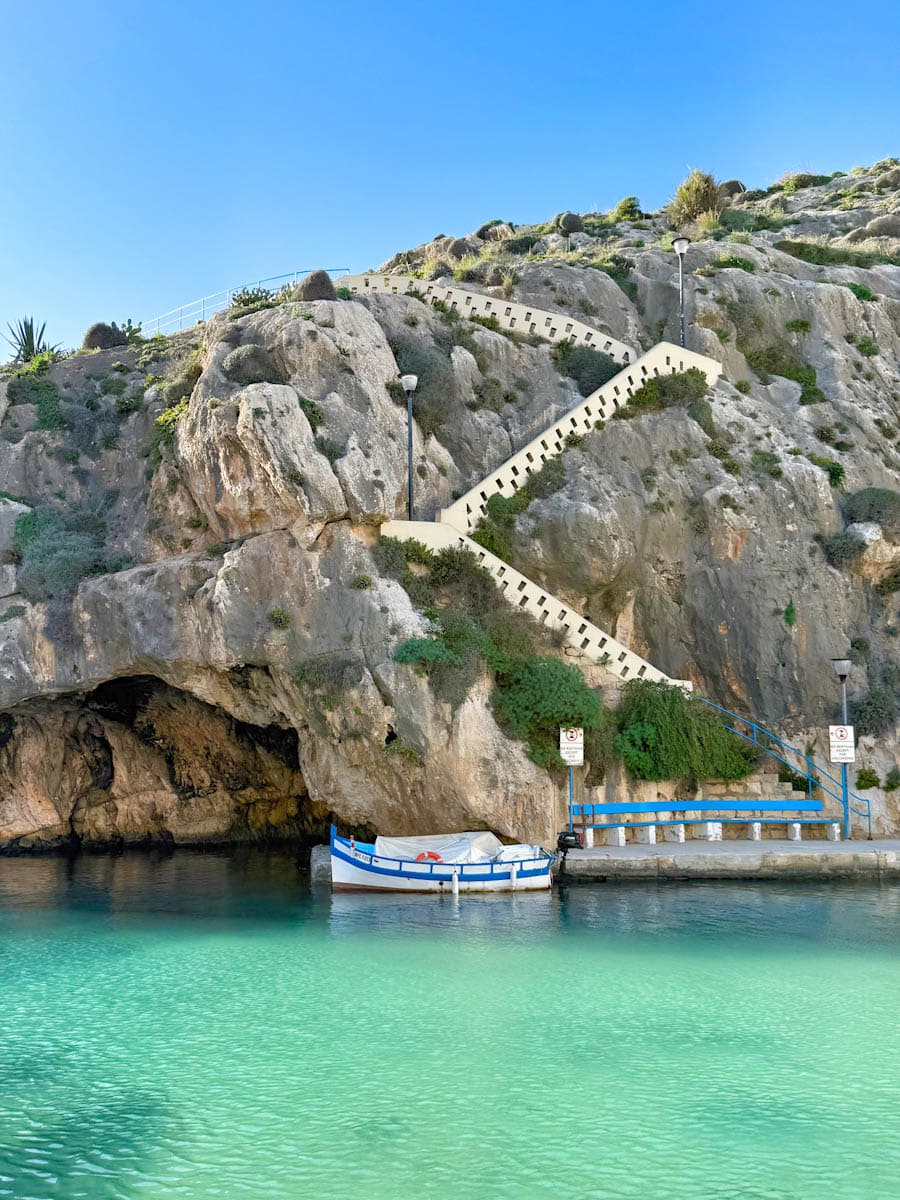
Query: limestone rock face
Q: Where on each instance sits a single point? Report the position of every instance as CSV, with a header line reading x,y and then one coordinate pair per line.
x,y
231,674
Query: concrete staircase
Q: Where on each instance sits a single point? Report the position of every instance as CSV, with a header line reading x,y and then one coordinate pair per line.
x,y
455,523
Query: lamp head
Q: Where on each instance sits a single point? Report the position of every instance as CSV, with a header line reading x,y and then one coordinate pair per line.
x,y
680,244
409,383
841,667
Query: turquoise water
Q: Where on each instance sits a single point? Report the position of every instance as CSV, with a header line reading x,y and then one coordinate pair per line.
x,y
201,1026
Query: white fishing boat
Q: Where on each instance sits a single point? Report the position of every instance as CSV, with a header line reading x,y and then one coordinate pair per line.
x,y
451,862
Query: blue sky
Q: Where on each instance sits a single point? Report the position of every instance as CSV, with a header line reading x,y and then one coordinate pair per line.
x,y
156,153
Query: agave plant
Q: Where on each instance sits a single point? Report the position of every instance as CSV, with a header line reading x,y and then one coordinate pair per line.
x,y
26,342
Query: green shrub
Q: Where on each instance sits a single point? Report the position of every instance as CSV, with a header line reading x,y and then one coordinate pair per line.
x,y
31,386
627,209
492,394
167,421
589,368
700,410
104,337
875,713
781,360
743,386
860,291
329,448
391,555
522,243
881,505
252,298
727,261
666,734
697,194
859,649
834,470
113,385
425,652
14,610
841,549
892,780
867,347
537,696
794,182
328,676
548,480
768,462
361,582
56,550
820,255
494,531
799,325
666,391
279,618
790,615
867,778
315,413
129,404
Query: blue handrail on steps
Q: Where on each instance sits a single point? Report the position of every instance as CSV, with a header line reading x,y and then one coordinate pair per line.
x,y
814,773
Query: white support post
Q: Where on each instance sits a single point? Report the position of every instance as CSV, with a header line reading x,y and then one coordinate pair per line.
x,y
833,832
674,833
709,831
615,837
588,832
755,831
647,835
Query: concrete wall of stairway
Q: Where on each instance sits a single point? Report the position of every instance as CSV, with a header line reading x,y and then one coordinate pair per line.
x,y
582,637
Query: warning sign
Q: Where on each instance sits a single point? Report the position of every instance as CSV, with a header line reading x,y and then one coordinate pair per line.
x,y
842,743
571,746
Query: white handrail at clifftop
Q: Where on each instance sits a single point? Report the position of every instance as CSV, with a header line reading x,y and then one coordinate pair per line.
x,y
207,306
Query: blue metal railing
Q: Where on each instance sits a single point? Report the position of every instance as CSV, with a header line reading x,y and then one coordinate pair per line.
x,y
763,740
207,306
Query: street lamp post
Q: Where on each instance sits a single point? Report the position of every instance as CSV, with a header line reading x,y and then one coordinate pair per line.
x,y
680,245
409,384
842,670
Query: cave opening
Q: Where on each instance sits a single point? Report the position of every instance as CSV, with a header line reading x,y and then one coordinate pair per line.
x,y
137,761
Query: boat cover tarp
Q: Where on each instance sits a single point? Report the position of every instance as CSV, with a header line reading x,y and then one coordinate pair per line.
x,y
452,847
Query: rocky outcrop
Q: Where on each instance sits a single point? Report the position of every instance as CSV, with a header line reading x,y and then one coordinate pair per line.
x,y
247,619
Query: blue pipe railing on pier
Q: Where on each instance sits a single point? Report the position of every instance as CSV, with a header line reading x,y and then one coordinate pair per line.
x,y
815,775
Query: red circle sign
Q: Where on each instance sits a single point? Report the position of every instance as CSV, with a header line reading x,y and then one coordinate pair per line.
x,y
572,735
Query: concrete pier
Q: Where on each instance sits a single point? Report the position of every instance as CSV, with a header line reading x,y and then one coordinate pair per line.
x,y
874,860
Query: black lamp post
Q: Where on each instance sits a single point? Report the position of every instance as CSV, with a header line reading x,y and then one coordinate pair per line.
x,y
842,670
409,384
680,245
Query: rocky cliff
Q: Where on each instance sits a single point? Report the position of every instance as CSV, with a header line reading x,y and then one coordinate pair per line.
x,y
198,634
